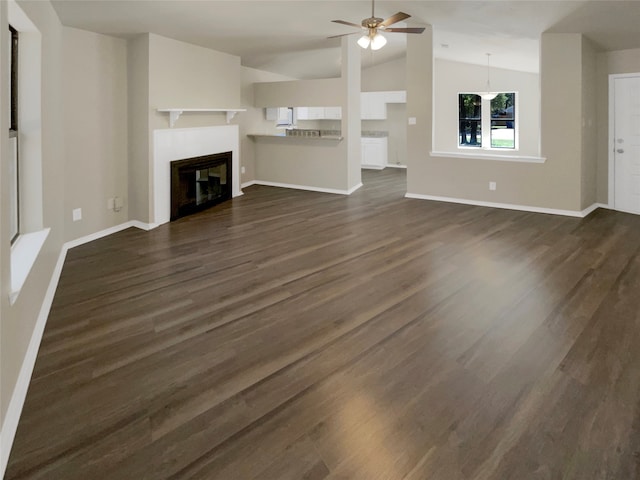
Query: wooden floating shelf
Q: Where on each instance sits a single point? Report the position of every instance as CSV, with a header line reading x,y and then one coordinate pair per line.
x,y
174,113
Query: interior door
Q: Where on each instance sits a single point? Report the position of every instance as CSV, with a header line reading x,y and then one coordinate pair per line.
x,y
627,144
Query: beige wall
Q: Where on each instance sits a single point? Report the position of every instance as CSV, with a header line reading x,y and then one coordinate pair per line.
x,y
325,92
609,63
555,184
314,163
304,162
589,167
452,78
390,75
19,320
190,76
419,106
95,120
253,120
138,128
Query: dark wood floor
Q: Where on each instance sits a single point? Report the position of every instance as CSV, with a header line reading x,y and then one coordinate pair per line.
x,y
298,335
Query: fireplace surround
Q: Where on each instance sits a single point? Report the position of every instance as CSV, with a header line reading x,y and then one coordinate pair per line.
x,y
199,183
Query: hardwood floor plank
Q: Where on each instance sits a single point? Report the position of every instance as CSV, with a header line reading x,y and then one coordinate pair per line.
x,y
288,334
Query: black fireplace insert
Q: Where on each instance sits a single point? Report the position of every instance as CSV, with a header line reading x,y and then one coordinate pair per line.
x,y
200,182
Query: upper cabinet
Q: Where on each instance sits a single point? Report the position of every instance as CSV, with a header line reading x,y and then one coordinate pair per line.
x,y
399,96
318,113
279,114
373,105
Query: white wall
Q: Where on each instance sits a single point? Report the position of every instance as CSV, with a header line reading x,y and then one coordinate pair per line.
x,y
452,78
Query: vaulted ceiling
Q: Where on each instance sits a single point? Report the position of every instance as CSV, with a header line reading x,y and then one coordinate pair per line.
x,y
290,37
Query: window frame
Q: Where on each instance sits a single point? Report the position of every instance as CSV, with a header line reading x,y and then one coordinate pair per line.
x,y
13,122
486,124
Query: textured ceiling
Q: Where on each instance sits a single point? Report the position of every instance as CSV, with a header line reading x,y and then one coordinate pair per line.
x,y
290,37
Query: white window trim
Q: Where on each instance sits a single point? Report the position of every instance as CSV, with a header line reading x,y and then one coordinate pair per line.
x,y
24,252
478,154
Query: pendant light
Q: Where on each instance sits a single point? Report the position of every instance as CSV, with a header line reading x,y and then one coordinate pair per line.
x,y
488,95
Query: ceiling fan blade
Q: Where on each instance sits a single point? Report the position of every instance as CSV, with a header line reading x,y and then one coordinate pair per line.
x,y
343,35
398,17
405,30
347,23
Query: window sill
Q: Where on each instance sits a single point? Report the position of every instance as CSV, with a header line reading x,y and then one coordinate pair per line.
x,y
23,255
480,155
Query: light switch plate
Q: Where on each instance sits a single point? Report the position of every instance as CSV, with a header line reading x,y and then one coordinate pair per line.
x,y
412,120
77,214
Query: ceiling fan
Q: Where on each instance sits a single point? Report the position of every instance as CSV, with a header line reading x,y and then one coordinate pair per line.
x,y
374,25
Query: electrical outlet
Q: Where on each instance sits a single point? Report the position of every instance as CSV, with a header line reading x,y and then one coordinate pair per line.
x,y
242,170
412,120
492,185
111,205
77,214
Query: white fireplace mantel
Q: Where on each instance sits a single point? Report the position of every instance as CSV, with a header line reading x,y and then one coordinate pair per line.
x,y
174,113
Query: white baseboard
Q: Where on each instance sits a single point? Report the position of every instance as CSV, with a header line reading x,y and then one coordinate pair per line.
x,y
371,167
508,206
307,187
16,403
248,184
141,225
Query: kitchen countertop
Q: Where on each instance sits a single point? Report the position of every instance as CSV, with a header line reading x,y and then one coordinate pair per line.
x,y
294,137
374,134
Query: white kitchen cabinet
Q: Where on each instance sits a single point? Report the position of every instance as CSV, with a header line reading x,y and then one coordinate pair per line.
x,y
333,113
373,106
373,152
309,113
399,96
318,113
279,114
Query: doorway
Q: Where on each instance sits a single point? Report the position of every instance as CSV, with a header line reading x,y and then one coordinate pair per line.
x,y
624,142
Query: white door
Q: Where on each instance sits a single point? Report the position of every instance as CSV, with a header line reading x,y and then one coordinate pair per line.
x,y
626,144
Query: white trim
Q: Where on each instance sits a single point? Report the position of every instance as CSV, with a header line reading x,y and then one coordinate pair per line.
x,y
14,410
354,188
509,206
307,187
142,225
24,253
611,144
95,236
372,167
248,184
487,156
395,165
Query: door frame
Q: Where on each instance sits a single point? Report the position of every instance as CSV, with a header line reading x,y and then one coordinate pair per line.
x,y
612,126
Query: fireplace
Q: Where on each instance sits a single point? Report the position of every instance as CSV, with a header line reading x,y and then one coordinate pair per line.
x,y
200,182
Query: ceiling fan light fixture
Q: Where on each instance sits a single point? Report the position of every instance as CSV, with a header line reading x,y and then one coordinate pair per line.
x,y
364,41
378,41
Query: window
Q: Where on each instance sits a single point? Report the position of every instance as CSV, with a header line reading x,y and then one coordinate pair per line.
x,y
487,123
13,139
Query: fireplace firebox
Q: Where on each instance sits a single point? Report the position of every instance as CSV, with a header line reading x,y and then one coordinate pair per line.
x,y
199,183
